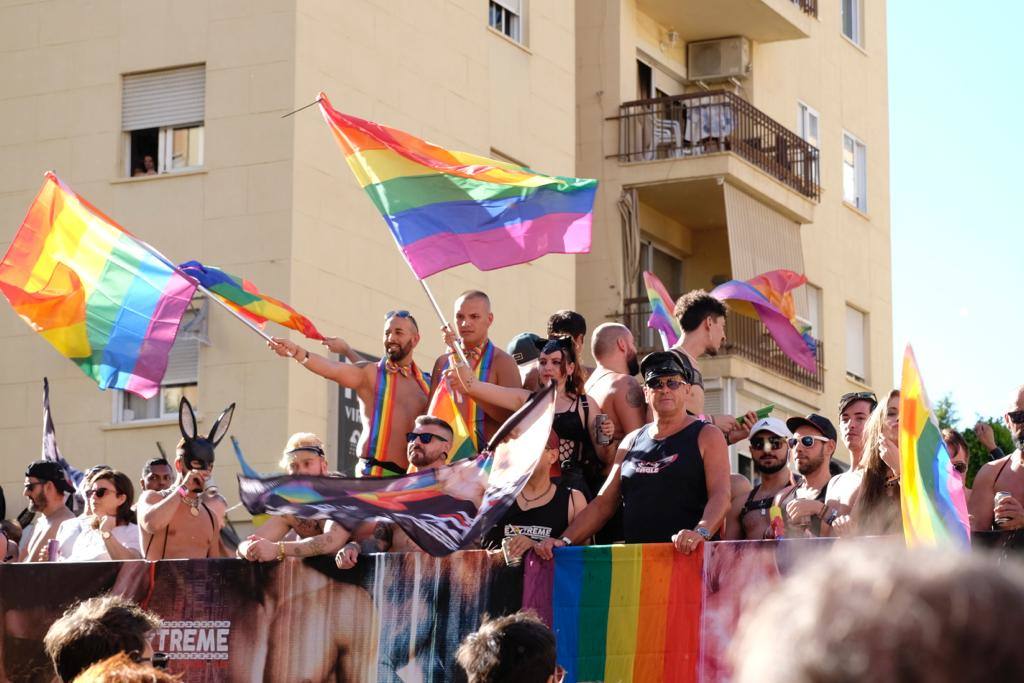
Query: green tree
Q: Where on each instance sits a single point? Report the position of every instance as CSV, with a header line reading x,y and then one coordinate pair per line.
x,y
946,413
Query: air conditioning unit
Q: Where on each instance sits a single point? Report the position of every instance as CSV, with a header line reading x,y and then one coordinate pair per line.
x,y
718,60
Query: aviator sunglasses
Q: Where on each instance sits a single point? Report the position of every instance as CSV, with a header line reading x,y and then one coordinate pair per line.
x,y
758,442
672,384
423,437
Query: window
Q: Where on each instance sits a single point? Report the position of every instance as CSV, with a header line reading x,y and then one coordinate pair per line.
x,y
807,124
644,81
813,313
855,176
853,21
181,378
506,16
856,344
162,114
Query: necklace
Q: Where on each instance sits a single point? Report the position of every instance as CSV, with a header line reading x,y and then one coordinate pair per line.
x,y
193,506
531,500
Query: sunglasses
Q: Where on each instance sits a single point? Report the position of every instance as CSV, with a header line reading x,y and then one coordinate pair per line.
x,y
1016,417
423,437
758,442
806,441
672,384
960,467
98,493
32,485
397,314
159,660
858,396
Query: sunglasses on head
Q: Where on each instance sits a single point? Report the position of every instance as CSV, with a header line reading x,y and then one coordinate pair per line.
x,y
98,493
159,660
1016,417
758,442
672,384
423,437
858,396
960,467
806,441
397,314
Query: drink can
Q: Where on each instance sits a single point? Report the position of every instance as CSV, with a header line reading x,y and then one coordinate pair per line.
x,y
510,561
998,498
51,550
602,439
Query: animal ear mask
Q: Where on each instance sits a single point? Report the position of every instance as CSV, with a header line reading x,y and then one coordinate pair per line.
x,y
201,447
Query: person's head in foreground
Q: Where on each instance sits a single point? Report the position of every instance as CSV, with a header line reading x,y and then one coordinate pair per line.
x,y
304,455
881,613
125,668
517,648
96,629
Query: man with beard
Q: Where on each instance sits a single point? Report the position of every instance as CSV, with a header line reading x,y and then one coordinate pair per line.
x,y
769,450
391,393
473,319
813,443
702,319
854,410
1005,474
613,385
45,487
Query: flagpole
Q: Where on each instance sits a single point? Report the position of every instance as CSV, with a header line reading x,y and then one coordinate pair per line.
x,y
437,309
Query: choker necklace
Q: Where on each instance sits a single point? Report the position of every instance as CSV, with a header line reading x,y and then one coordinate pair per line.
x,y
530,500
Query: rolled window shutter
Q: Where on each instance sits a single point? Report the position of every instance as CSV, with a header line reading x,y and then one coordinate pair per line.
x,y
514,6
174,97
183,362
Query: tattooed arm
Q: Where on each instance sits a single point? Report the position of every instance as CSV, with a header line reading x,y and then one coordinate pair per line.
x,y
327,543
630,407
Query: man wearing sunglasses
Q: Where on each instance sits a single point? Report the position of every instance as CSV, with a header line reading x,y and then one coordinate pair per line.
x,y
769,450
46,486
670,477
813,443
391,392
1005,474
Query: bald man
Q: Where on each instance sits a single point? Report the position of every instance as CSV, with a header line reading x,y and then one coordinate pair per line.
x,y
1005,474
613,385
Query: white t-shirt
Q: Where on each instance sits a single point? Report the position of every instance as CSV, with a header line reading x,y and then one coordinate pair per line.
x,y
842,486
79,542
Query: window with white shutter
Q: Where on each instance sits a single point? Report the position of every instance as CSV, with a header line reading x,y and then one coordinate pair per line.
x,y
856,344
506,16
162,116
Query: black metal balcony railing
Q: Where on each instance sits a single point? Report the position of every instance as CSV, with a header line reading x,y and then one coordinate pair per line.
x,y
745,337
808,6
703,123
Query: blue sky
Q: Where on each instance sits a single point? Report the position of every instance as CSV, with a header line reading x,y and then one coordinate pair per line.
x,y
957,148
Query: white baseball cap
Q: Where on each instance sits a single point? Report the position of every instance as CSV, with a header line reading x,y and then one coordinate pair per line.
x,y
773,425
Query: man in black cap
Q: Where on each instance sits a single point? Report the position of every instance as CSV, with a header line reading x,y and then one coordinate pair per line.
x,y
525,351
813,443
46,486
671,477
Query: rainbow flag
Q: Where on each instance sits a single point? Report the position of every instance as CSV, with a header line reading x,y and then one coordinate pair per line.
x,y
443,406
445,208
931,493
622,612
662,318
243,296
91,290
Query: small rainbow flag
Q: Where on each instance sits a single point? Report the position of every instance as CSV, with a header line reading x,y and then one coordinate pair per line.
x,y
442,405
622,612
243,296
445,208
662,318
931,493
91,290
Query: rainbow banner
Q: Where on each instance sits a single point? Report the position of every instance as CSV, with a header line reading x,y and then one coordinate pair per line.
x,y
662,318
91,290
443,406
243,296
931,493
621,612
446,208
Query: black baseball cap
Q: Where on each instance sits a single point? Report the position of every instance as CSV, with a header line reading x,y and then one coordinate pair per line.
x,y
847,399
819,422
47,470
525,347
664,363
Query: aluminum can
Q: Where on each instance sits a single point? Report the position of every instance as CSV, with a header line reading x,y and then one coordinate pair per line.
x,y
601,439
996,499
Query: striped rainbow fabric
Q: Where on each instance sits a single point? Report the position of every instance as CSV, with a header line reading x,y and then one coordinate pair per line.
x,y
626,613
662,307
931,493
93,292
446,208
442,406
243,296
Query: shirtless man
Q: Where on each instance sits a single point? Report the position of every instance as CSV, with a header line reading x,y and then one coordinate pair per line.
x,y
380,454
613,385
1004,474
854,410
473,318
45,487
303,455
769,449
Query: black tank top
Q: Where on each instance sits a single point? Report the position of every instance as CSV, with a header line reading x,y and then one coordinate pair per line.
x,y
538,523
576,452
663,485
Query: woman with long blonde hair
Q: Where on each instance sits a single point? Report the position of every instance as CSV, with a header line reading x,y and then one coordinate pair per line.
x,y
876,507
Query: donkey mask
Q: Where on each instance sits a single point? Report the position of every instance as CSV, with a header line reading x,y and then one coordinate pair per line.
x,y
197,447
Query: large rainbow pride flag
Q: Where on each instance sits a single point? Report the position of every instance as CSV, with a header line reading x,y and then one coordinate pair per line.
x,y
931,492
91,290
628,613
446,208
243,296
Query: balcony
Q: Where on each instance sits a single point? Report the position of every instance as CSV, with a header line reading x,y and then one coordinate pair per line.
x,y
764,21
707,123
746,338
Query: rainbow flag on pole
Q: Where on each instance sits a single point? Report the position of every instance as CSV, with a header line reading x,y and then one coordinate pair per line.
x,y
243,296
931,492
445,208
662,318
91,290
443,405
628,613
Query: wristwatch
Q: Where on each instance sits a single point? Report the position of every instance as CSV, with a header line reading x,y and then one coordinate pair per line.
x,y
105,535
704,533
566,540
